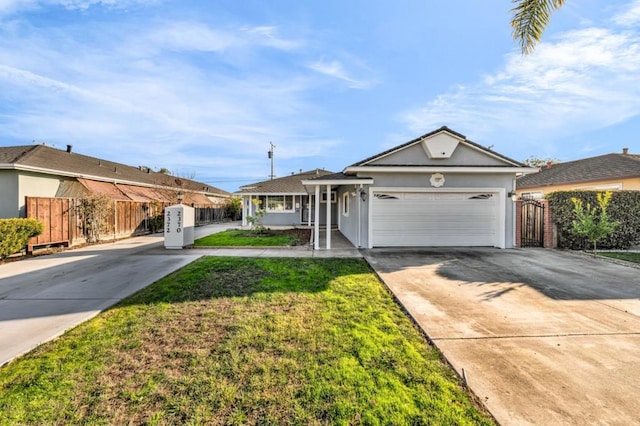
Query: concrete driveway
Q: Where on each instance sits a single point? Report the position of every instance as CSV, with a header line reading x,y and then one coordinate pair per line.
x,y
541,336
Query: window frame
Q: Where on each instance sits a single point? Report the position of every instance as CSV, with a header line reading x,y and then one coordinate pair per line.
x,y
345,204
334,197
284,203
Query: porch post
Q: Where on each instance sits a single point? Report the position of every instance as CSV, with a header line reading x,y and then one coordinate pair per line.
x,y
245,211
316,225
359,216
328,217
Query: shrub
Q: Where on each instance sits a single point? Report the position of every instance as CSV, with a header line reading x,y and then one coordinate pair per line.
x,y
592,224
256,221
15,234
233,208
623,208
156,223
94,212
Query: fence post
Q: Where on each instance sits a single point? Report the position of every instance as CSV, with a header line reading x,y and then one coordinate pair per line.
x,y
549,237
518,219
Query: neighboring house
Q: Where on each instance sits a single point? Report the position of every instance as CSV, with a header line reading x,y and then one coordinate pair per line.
x,y
43,171
437,190
605,172
284,199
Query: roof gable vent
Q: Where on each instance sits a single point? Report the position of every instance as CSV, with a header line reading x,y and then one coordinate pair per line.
x,y
441,145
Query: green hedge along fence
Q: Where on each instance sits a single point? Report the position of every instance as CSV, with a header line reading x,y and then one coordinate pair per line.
x,y
623,208
15,234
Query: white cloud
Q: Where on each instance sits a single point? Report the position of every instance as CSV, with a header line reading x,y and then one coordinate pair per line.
x,y
584,80
165,108
8,7
630,16
196,36
268,36
337,70
191,36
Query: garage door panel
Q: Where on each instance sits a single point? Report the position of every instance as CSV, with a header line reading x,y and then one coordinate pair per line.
x,y
434,219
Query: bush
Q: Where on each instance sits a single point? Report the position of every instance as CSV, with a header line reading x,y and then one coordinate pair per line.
x,y
156,223
623,208
95,212
233,208
15,234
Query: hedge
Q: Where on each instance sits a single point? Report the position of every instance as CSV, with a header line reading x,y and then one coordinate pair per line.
x,y
623,208
15,234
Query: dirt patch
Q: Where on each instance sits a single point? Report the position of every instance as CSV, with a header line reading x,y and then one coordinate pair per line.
x,y
303,236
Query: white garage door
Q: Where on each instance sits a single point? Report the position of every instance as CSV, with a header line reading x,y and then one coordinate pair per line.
x,y
414,219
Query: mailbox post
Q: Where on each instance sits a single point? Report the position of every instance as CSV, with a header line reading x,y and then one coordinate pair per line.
x,y
179,223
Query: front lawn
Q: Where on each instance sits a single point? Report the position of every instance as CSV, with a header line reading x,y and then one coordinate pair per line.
x,y
273,238
622,255
242,341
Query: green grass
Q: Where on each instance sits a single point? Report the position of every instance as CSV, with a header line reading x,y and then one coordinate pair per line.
x,y
242,341
628,256
234,238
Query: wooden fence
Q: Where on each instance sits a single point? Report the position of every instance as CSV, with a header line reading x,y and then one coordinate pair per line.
x,y
58,217
64,226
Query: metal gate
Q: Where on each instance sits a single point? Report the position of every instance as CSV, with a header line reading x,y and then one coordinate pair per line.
x,y
532,223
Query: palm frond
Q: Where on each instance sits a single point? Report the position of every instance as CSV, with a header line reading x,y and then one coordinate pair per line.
x,y
530,18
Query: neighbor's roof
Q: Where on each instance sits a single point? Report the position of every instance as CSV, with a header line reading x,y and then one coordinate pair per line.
x,y
426,135
339,179
45,159
603,167
291,184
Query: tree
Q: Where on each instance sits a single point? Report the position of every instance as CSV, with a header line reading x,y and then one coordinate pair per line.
x,y
233,207
588,224
534,161
95,212
530,18
256,221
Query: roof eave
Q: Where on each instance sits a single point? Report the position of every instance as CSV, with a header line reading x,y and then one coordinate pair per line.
x,y
22,167
354,181
257,193
439,169
573,182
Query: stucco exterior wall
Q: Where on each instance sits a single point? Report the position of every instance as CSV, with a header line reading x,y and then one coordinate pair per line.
x,y
36,185
295,218
452,180
349,223
9,206
629,184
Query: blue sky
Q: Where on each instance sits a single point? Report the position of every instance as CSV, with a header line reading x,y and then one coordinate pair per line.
x,y
202,87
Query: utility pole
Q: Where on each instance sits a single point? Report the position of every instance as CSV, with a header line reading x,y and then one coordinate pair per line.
x,y
270,154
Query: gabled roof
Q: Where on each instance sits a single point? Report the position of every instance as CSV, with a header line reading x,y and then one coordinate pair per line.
x,y
366,161
291,184
45,159
603,167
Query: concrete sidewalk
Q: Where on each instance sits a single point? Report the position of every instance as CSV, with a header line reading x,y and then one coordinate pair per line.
x,y
42,297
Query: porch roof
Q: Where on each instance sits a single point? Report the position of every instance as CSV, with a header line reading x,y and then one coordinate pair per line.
x,y
337,179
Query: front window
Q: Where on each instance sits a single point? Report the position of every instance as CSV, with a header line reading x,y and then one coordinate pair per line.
x,y
345,204
280,203
323,197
